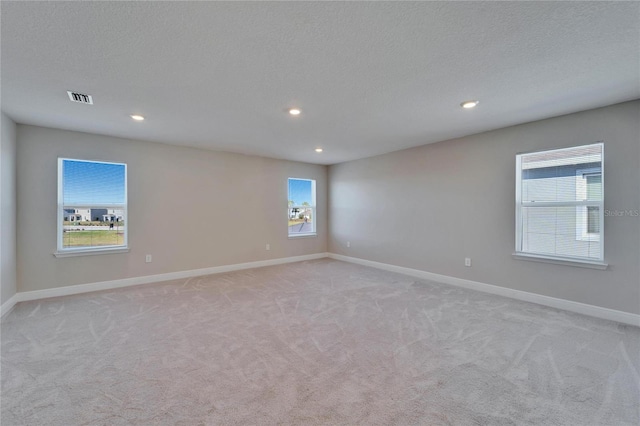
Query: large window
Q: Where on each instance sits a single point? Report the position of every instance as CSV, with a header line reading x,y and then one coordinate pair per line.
x,y
92,206
302,207
559,203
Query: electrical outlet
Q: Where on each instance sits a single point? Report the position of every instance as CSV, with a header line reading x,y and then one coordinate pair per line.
x,y
148,258
268,247
348,243
467,261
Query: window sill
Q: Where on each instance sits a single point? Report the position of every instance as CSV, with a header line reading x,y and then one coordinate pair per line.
x,y
91,252
310,235
561,261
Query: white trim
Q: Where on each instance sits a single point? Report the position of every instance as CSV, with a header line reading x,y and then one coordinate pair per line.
x,y
571,261
518,203
148,279
60,211
582,211
91,252
8,305
567,305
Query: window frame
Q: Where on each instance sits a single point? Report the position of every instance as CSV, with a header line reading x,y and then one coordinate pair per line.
x,y
590,262
582,212
313,208
62,251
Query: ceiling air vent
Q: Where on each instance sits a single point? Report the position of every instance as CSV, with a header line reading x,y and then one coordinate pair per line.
x,y
79,97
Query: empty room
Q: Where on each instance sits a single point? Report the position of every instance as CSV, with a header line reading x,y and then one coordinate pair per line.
x,y
319,213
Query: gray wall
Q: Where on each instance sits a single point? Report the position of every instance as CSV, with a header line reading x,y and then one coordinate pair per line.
x,y
7,209
429,207
189,208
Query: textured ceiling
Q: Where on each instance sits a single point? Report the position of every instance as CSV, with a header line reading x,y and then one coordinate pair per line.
x,y
370,77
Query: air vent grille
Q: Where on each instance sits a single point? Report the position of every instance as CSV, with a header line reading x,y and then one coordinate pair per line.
x,y
79,97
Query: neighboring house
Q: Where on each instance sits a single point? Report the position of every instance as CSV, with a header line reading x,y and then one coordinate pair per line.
x,y
295,212
113,215
77,215
307,213
98,215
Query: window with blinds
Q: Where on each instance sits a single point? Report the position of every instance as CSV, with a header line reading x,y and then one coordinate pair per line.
x,y
92,206
301,210
559,203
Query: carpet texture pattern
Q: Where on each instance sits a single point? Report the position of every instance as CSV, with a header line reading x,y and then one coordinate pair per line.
x,y
313,343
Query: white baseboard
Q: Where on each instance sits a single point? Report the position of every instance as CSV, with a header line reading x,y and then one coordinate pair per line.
x,y
8,305
147,279
567,305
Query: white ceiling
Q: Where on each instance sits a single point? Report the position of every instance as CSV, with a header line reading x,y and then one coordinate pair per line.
x,y
370,77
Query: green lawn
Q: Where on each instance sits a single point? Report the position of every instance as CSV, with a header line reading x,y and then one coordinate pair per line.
x,y
296,221
92,238
92,223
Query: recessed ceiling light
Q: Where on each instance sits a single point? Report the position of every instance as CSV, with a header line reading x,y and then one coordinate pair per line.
x,y
137,117
469,104
318,149
294,111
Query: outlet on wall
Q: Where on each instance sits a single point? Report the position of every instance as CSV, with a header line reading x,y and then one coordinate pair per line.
x,y
148,258
348,243
268,247
467,261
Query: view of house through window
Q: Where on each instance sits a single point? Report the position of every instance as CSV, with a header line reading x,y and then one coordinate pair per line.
x,y
92,205
559,203
302,207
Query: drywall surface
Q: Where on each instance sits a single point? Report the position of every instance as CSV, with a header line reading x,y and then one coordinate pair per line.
x,y
429,207
7,209
189,208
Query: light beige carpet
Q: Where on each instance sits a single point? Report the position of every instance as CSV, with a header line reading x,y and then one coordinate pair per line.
x,y
320,342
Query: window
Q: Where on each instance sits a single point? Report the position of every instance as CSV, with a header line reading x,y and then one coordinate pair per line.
x,y
559,204
588,187
302,207
92,207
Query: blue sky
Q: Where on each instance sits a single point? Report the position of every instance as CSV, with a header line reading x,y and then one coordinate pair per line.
x,y
93,183
300,191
